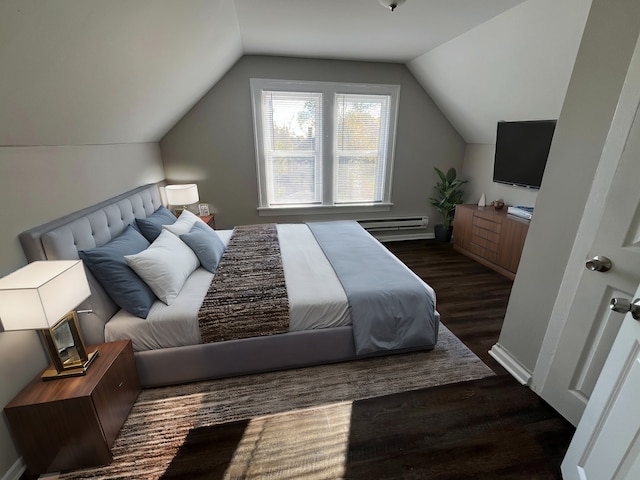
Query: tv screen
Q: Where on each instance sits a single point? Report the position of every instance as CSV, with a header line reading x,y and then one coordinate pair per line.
x,y
522,149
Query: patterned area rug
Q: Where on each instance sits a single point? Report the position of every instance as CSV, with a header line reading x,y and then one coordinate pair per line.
x,y
162,417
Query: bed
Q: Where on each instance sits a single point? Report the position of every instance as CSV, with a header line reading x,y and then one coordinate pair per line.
x,y
168,345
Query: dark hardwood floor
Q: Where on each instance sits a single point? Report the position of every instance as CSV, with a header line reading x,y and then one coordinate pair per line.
x,y
472,301
471,298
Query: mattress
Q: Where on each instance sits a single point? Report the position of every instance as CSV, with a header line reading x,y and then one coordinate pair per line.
x,y
316,297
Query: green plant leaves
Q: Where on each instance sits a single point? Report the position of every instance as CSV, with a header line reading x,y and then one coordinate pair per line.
x,y
448,194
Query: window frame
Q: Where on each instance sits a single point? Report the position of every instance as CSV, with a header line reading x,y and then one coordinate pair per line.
x,y
328,91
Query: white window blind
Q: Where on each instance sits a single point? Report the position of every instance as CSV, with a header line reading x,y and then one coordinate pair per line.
x,y
293,147
322,144
361,146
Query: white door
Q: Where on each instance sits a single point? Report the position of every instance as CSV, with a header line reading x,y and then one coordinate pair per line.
x,y
606,444
581,347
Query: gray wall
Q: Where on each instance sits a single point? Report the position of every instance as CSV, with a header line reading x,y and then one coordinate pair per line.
x,y
38,184
601,65
213,144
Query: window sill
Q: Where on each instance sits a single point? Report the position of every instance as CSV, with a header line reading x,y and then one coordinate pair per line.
x,y
323,209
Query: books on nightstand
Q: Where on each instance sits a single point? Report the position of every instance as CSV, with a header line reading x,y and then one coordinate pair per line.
x,y
521,211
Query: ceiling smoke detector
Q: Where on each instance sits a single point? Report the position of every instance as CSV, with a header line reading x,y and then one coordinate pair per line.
x,y
391,4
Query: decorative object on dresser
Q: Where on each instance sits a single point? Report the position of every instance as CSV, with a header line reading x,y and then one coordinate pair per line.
x,y
182,195
41,296
491,237
73,423
498,204
448,196
521,211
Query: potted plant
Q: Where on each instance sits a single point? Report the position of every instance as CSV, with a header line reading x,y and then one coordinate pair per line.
x,y
448,196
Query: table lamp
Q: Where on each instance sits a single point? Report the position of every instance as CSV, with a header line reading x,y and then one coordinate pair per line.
x,y
42,296
182,195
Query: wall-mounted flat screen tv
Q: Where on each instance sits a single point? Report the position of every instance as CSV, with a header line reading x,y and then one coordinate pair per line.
x,y
522,149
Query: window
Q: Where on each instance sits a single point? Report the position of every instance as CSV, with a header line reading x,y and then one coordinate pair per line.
x,y
323,145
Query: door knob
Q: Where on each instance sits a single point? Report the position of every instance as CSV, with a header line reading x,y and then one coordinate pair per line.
x,y
598,264
622,305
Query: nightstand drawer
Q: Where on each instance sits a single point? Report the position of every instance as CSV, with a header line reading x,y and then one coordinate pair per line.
x,y
114,395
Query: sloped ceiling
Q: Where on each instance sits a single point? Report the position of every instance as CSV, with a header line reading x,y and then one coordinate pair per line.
x,y
77,72
515,66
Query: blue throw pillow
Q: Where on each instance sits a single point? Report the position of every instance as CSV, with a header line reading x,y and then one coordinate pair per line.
x,y
152,225
206,244
108,265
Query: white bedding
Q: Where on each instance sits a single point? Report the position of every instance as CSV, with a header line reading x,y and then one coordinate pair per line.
x,y
316,297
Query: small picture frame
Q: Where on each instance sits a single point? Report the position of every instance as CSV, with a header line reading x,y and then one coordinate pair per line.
x,y
203,209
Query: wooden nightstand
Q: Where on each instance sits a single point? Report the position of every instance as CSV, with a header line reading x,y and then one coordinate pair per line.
x,y
72,423
209,220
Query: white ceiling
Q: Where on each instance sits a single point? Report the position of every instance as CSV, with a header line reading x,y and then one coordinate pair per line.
x,y
80,72
358,29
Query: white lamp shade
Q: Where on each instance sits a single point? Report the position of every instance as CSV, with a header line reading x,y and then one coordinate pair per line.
x,y
182,194
41,293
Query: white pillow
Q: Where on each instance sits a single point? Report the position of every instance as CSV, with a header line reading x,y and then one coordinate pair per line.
x,y
164,266
183,224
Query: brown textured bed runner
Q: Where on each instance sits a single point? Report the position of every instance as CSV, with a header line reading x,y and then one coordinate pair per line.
x,y
248,294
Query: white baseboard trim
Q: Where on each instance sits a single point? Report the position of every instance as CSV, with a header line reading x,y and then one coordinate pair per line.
x,y
510,364
16,470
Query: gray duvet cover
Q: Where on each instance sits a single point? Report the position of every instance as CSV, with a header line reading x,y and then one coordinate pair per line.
x,y
390,307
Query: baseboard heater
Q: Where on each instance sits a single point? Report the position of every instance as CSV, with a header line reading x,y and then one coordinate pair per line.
x,y
397,228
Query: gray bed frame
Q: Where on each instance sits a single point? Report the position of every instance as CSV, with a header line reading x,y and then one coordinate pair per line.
x,y
61,239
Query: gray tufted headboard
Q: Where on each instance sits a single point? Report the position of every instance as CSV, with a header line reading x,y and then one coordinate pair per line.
x,y
91,227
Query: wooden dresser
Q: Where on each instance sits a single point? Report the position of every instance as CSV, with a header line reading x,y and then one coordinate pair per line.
x,y
490,237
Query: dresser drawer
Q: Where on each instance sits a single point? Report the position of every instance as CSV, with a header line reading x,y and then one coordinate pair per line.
x,y
485,244
484,252
482,236
492,225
